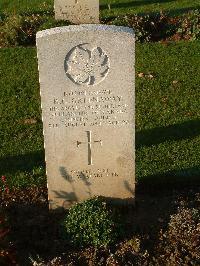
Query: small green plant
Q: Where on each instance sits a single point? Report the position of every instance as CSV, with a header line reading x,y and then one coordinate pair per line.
x,y
90,223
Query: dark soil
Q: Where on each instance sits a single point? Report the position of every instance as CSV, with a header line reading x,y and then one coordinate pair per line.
x,y
32,230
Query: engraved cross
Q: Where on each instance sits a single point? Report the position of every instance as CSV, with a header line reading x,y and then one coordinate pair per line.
x,y
89,143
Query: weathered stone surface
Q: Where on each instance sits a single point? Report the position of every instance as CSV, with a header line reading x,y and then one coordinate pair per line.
x,y
77,11
88,97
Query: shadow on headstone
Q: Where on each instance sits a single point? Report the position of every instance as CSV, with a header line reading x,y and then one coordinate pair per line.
x,y
71,197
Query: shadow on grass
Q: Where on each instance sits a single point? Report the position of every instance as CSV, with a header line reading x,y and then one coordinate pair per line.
x,y
131,4
25,162
187,130
181,11
170,12
172,179
168,181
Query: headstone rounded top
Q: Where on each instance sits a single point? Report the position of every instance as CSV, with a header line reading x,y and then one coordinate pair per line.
x,y
84,27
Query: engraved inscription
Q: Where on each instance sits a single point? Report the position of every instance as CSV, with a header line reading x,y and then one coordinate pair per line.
x,y
89,143
84,65
88,108
90,173
78,12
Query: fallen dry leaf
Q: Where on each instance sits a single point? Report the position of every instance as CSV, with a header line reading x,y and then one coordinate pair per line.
x,y
150,76
141,75
30,121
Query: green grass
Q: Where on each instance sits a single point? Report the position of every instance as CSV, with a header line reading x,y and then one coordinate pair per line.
x,y
121,7
21,6
20,143
167,114
118,7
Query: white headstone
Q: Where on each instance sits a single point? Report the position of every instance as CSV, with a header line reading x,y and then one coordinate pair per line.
x,y
88,100
77,11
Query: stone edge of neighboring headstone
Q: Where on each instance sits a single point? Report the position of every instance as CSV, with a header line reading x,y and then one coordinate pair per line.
x,y
84,27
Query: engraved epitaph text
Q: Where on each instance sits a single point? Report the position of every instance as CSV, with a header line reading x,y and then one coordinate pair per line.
x,y
77,11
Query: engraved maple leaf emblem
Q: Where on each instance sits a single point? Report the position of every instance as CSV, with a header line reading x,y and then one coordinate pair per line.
x,y
84,66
